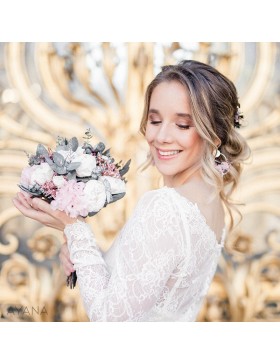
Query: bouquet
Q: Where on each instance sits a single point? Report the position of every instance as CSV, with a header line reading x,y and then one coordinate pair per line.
x,y
77,179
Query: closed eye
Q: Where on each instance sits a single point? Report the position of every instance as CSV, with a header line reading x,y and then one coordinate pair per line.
x,y
180,126
185,127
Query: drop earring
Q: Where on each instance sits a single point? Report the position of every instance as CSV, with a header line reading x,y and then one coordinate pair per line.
x,y
221,163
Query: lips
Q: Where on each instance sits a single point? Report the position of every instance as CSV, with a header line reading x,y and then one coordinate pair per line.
x,y
167,154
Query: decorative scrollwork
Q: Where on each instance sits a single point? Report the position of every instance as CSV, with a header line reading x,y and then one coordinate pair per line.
x,y
47,89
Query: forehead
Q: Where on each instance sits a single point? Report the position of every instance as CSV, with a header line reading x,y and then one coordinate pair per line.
x,y
170,95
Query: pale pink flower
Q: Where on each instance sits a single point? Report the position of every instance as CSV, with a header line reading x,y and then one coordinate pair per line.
x,y
70,199
26,176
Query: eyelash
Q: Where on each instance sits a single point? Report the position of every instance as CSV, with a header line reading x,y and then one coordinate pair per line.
x,y
184,127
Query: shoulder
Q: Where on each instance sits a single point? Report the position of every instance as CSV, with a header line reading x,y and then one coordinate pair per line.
x,y
158,205
159,198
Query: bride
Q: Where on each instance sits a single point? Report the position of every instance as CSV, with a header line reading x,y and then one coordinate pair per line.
x,y
162,262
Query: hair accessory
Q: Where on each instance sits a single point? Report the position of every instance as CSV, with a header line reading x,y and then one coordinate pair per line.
x,y
223,166
237,117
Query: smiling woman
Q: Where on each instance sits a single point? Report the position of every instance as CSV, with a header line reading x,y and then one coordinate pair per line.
x,y
175,144
192,110
162,262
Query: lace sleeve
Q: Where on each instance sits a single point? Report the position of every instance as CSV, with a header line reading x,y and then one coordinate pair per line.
x,y
148,249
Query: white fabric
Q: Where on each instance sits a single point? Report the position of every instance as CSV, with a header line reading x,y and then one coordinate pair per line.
x,y
159,267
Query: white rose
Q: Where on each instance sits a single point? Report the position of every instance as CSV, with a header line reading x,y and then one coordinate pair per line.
x,y
58,181
95,195
69,155
88,163
79,151
117,185
42,173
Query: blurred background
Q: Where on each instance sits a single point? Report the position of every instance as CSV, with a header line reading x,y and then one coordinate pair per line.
x,y
52,89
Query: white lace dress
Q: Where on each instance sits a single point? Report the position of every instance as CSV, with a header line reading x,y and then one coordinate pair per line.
x,y
159,267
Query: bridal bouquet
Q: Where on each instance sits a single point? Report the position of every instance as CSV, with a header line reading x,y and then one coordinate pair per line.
x,y
77,179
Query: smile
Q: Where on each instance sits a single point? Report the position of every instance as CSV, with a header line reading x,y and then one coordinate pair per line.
x,y
167,154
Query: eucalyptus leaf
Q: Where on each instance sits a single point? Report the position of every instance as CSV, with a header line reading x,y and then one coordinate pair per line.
x,y
61,170
92,213
107,152
62,147
41,150
71,175
36,193
125,168
73,166
99,147
74,144
34,160
58,159
117,196
84,179
88,150
48,160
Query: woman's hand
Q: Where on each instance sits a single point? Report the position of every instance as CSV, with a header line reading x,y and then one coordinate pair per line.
x,y
41,211
65,261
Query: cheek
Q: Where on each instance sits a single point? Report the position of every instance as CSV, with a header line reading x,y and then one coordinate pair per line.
x,y
193,142
149,135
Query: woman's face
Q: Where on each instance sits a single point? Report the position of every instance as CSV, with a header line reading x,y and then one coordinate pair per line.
x,y
175,144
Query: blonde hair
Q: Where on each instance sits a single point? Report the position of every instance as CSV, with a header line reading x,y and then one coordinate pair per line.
x,y
214,104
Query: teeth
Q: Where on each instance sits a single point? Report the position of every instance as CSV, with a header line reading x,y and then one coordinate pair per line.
x,y
169,153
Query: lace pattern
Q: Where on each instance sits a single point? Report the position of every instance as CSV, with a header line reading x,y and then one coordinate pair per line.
x,y
159,267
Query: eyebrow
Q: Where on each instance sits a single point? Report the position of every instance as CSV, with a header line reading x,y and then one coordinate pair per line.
x,y
154,111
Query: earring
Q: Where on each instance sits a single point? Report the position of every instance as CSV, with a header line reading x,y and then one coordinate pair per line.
x,y
221,164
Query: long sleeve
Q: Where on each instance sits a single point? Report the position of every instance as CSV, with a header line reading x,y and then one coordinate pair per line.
x,y
148,249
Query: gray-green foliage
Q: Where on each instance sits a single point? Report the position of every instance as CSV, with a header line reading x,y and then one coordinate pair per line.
x,y
58,163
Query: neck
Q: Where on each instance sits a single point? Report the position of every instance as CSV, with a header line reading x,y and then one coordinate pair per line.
x,y
193,174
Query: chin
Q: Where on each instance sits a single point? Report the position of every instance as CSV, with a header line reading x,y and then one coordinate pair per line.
x,y
168,172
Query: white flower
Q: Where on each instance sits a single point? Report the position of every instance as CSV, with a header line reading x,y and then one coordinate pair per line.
x,y
117,184
95,195
58,181
41,174
69,155
88,163
79,151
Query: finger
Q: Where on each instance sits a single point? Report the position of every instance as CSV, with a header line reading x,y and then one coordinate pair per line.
x,y
67,266
42,205
22,200
65,255
68,269
27,198
29,211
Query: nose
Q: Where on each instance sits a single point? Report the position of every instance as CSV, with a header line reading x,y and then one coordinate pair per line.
x,y
164,134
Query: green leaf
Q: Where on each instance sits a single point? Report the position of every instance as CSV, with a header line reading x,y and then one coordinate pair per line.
x,y
41,150
58,159
99,147
125,168
74,144
107,153
49,161
73,166
117,196
71,175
